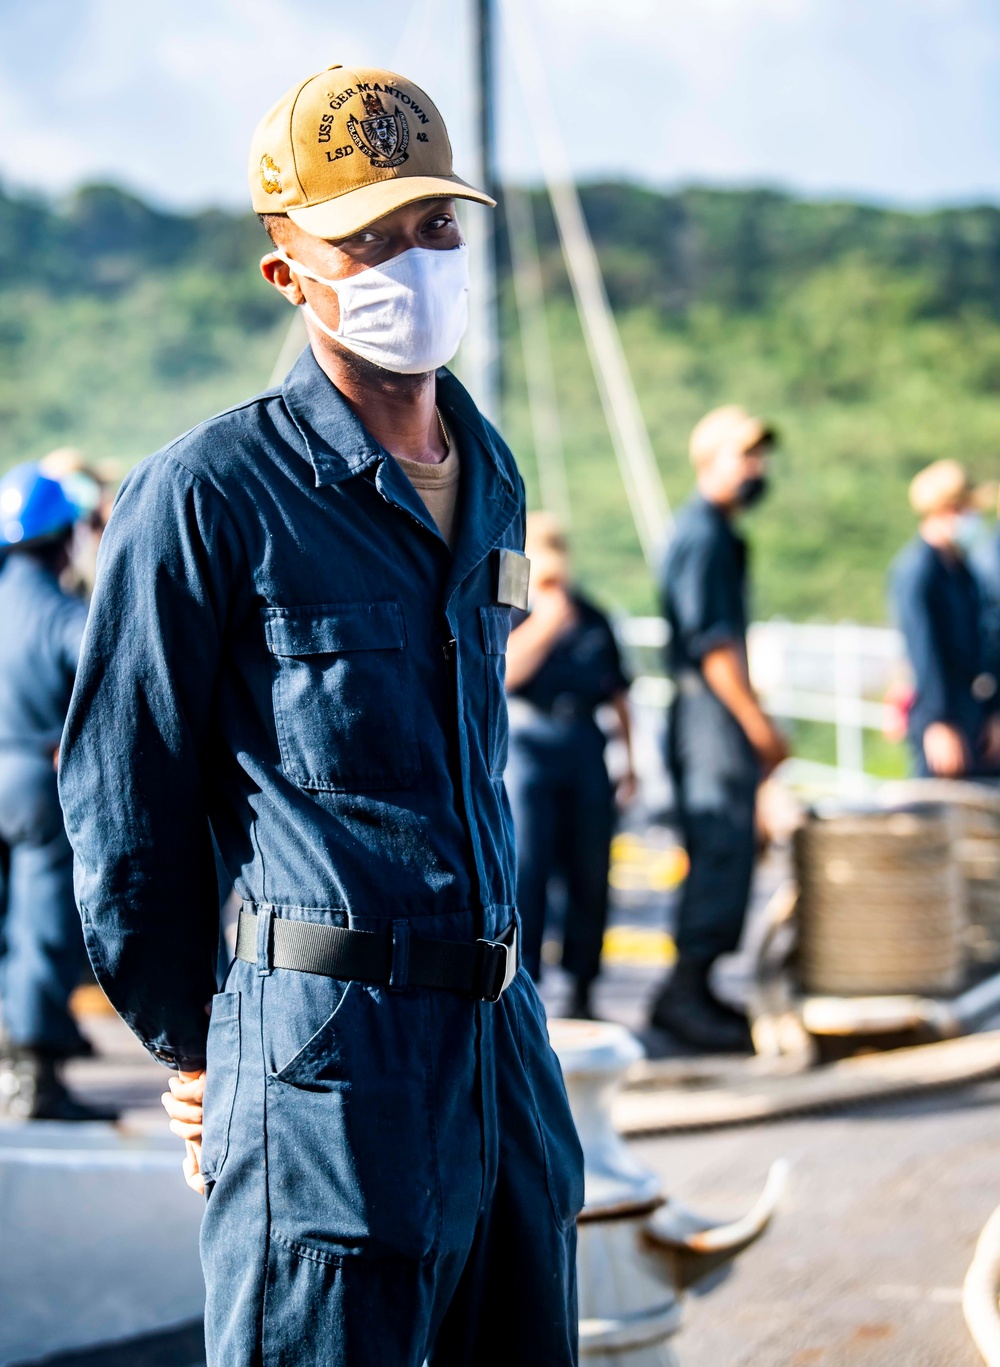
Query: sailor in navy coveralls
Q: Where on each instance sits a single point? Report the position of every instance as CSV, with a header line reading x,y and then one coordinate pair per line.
x,y
720,742
297,645
41,948
952,724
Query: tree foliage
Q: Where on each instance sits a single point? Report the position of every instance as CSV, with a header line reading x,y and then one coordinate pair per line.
x,y
871,336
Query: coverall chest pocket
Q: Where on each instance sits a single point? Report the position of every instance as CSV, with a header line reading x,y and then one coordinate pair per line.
x,y
496,631
343,695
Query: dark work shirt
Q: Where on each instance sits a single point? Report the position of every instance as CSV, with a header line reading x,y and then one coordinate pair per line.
x,y
583,667
937,607
284,651
41,628
703,586
985,565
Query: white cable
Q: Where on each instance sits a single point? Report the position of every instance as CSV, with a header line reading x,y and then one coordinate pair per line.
x,y
294,340
640,474
416,31
543,405
980,1291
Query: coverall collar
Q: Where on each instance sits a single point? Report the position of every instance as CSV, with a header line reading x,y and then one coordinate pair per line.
x,y
711,509
489,501
337,443
339,447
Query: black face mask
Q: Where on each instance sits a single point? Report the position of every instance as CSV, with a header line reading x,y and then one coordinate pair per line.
x,y
751,491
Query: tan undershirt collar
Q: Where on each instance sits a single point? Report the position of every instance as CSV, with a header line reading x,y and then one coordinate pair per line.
x,y
438,486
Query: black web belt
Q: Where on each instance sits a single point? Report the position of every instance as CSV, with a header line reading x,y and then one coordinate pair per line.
x,y
482,969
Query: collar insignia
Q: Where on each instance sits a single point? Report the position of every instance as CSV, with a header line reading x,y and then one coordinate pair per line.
x,y
270,176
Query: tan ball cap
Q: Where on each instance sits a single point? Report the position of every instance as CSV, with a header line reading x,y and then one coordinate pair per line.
x,y
543,531
728,426
545,546
348,146
940,487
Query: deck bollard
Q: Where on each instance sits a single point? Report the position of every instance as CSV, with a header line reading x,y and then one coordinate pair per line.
x,y
638,1250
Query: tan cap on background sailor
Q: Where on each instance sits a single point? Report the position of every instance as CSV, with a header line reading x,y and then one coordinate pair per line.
x,y
348,146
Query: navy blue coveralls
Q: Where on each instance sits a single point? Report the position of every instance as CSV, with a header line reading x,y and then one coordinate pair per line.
x,y
985,565
559,789
41,628
938,608
284,652
713,767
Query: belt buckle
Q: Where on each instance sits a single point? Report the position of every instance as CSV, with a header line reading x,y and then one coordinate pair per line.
x,y
503,960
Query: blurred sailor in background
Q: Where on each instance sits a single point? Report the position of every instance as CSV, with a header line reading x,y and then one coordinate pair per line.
x,y
43,950
720,742
984,561
562,664
953,726
87,486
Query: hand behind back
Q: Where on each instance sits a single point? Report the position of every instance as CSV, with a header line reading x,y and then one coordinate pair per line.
x,y
183,1104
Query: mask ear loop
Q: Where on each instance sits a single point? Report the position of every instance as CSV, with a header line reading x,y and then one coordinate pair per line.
x,y
298,267
306,307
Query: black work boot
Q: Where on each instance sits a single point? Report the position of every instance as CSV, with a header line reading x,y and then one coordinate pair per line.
x,y
580,1006
688,1011
31,1088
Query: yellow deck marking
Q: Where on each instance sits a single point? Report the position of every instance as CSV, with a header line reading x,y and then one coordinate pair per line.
x,y
639,946
89,1000
637,867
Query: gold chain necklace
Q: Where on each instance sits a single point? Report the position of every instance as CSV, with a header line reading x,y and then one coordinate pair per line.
x,y
444,432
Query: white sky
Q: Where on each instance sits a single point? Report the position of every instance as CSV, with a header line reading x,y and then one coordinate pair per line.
x,y
883,99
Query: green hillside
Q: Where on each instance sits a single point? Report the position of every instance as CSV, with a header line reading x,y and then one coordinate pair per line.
x,y
872,337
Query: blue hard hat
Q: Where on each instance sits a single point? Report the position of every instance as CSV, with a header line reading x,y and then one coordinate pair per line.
x,y
32,506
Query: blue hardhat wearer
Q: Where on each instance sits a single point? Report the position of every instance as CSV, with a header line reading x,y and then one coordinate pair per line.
x,y
32,506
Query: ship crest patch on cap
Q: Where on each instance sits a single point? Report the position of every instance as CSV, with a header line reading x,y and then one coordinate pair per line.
x,y
270,175
383,137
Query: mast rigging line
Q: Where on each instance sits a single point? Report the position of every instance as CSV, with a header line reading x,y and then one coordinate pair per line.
x,y
294,340
480,359
644,489
640,473
543,406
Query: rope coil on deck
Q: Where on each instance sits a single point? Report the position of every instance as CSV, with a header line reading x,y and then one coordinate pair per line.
x,y
976,811
881,908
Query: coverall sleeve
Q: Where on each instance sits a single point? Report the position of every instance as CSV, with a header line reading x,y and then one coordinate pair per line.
x,y
985,566
70,625
614,678
915,616
132,777
704,593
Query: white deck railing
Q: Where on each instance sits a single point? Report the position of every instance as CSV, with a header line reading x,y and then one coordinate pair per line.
x,y
837,674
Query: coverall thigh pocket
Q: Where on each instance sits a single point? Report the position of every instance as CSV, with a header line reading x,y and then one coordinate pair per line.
x,y
351,1145
560,1143
221,1075
343,693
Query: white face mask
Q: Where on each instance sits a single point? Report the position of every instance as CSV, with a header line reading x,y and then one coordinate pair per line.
x,y
407,315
